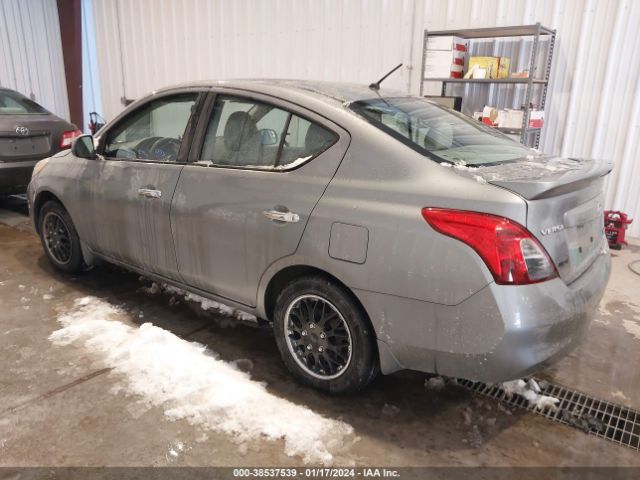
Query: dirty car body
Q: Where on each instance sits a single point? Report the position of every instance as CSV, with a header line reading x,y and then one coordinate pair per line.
x,y
28,133
465,253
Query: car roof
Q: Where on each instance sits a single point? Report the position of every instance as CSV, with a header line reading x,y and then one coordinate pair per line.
x,y
331,92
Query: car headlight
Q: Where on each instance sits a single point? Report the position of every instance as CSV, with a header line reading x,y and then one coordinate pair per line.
x,y
39,166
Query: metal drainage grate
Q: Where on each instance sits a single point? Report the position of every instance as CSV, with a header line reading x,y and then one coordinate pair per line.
x,y
598,417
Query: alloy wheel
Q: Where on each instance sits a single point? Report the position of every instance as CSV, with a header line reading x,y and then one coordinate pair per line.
x,y
57,238
318,337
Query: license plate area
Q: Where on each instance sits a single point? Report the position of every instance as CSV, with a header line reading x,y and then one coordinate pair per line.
x,y
11,147
584,232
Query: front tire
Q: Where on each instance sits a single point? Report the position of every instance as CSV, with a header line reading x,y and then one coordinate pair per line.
x,y
324,336
59,238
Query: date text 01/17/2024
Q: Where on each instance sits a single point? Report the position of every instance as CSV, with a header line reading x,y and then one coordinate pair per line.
x,y
316,472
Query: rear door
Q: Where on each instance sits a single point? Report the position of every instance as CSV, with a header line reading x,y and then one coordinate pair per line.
x,y
142,156
259,168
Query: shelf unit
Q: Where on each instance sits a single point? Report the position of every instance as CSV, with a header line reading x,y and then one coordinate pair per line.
x,y
528,136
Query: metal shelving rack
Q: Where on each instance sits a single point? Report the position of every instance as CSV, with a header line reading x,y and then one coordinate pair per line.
x,y
528,136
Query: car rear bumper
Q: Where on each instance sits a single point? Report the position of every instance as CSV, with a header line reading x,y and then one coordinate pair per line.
x,y
500,333
15,176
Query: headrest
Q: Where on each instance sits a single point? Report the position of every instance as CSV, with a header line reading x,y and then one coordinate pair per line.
x,y
239,129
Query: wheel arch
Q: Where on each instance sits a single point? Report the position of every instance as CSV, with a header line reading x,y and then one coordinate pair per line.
x,y
41,198
289,273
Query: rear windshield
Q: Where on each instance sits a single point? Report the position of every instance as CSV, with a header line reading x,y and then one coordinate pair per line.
x,y
439,133
12,103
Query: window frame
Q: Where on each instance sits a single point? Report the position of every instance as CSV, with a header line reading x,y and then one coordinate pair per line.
x,y
135,108
206,114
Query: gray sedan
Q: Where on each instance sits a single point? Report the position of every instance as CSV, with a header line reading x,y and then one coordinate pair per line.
x,y
378,231
28,133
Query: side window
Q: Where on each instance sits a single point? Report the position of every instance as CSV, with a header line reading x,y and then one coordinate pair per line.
x,y
247,133
153,132
243,133
304,140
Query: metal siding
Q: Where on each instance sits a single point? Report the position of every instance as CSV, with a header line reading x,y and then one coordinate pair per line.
x,y
593,99
31,53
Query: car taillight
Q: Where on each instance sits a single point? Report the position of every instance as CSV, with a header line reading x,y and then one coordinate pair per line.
x,y
509,250
67,138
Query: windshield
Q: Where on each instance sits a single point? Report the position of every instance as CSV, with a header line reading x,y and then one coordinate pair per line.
x,y
12,103
438,132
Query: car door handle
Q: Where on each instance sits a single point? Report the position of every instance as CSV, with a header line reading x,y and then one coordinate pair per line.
x,y
278,216
148,192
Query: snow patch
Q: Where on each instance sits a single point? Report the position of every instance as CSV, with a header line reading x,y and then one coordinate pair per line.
x,y
620,395
189,383
632,328
47,296
479,179
531,391
205,303
175,450
435,383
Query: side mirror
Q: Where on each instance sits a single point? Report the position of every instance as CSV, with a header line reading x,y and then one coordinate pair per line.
x,y
268,137
83,147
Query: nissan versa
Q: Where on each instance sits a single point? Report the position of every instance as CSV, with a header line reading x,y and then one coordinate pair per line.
x,y
377,231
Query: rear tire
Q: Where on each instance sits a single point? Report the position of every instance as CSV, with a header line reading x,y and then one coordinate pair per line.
x,y
324,336
59,238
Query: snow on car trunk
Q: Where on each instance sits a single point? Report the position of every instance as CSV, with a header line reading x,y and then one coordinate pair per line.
x,y
189,382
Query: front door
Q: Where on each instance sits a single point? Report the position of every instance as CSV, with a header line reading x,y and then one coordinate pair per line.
x,y
135,180
244,203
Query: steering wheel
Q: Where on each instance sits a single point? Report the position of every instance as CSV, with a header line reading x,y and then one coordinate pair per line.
x,y
144,148
165,149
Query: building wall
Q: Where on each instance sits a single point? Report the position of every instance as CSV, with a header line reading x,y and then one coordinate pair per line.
x,y
31,53
593,103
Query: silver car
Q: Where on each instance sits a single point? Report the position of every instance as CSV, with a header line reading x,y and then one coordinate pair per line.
x,y
378,231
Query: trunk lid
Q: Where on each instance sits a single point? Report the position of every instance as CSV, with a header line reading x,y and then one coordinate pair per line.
x,y
40,139
564,205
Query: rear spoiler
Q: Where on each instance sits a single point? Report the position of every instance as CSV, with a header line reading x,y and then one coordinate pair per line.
x,y
550,184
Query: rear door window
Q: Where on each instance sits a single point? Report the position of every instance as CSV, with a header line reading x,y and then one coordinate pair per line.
x,y
246,133
154,132
304,140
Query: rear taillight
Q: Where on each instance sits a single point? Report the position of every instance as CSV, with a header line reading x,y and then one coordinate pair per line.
x,y
67,138
511,252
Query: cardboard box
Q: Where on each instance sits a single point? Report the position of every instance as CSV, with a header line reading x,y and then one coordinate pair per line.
x,y
489,116
447,57
536,118
449,42
511,118
444,64
503,67
443,71
490,64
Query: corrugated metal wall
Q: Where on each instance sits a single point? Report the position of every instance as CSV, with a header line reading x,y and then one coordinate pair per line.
x,y
593,107
31,53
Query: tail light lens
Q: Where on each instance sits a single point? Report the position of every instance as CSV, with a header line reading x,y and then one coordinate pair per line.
x,y
510,251
67,138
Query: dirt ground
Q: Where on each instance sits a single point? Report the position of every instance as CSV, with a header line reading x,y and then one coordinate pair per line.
x,y
58,407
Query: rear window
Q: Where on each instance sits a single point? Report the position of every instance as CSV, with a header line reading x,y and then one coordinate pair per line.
x,y
12,103
439,133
